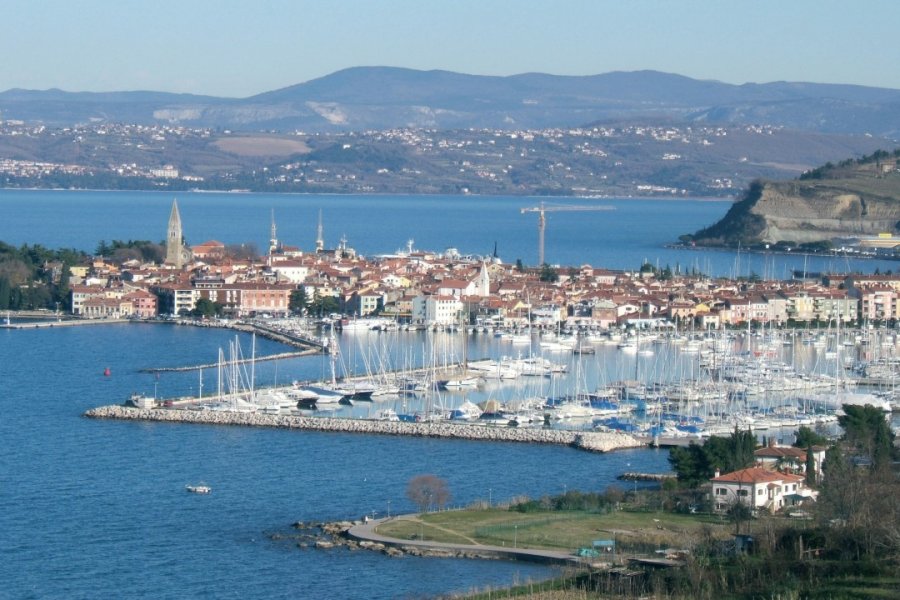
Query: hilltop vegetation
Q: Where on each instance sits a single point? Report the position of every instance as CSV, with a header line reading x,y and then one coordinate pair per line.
x,y
853,198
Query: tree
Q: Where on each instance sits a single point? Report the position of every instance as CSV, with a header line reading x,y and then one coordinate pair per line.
x,y
807,437
519,266
738,513
324,304
63,288
426,491
246,251
697,464
206,308
549,274
868,433
298,301
5,292
810,467
691,464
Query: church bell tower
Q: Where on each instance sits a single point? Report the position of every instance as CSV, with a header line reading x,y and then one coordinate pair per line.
x,y
175,250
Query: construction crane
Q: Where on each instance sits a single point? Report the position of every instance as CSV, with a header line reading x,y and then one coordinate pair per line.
x,y
542,220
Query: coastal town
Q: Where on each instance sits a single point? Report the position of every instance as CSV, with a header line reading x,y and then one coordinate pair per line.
x,y
437,289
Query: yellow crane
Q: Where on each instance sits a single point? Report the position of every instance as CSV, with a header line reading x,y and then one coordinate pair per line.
x,y
542,220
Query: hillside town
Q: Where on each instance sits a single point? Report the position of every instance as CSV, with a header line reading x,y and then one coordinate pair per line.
x,y
437,289
628,159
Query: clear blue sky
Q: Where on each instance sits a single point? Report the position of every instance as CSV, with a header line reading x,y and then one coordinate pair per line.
x,y
240,48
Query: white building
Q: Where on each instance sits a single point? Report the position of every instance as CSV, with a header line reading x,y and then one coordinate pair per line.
x,y
758,488
436,310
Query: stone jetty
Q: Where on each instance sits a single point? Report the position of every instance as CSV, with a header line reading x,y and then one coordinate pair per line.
x,y
583,440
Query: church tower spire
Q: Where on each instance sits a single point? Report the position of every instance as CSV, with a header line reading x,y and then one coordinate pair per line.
x,y
175,239
273,237
320,235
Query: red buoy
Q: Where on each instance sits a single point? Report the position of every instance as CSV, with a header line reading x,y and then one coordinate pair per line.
x,y
107,372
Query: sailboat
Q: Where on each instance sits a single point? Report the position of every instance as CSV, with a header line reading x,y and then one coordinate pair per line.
x,y
333,391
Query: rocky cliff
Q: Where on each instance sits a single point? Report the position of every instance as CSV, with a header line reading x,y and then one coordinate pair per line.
x,y
854,199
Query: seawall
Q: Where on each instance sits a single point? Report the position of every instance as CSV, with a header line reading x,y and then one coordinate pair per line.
x,y
585,440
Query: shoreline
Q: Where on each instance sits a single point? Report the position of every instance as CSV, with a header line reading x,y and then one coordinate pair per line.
x,y
591,441
461,195
363,535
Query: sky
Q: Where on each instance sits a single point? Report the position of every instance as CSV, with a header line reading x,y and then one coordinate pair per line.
x,y
238,48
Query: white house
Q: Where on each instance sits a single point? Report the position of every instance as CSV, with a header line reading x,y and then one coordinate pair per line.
x,y
294,271
758,488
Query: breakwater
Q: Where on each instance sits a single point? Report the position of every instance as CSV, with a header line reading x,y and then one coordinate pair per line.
x,y
584,440
245,361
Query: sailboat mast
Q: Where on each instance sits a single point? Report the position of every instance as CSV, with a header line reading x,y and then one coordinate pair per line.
x,y
333,355
252,364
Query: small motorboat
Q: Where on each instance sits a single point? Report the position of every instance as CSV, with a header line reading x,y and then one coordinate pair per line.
x,y
198,489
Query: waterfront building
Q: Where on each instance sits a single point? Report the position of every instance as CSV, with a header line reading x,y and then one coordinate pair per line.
x,y
365,301
436,310
103,307
261,298
81,294
176,298
144,304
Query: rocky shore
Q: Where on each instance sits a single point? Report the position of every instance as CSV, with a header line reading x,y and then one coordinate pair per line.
x,y
587,440
359,535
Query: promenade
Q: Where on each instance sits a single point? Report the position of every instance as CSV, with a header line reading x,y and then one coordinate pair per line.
x,y
55,323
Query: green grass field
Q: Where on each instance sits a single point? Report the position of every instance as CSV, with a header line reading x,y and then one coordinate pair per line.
x,y
566,530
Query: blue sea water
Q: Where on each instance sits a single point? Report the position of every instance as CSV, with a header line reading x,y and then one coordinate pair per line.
x,y
637,230
98,509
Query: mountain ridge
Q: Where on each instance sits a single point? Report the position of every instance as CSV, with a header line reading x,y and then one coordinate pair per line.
x,y
359,98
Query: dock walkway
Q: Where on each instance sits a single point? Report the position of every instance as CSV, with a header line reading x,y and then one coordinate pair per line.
x,y
69,323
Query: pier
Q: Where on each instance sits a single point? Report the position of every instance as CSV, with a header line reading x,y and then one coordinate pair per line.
x,y
279,356
637,476
54,323
291,338
592,441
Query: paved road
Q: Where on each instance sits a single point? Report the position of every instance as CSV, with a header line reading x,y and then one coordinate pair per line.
x,y
366,531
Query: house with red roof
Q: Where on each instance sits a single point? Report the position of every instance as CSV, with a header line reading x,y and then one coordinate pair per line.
x,y
759,489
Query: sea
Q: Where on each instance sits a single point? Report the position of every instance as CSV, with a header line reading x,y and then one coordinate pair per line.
x,y
98,509
633,232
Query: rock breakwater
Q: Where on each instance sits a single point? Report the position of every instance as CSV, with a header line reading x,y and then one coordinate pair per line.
x,y
591,441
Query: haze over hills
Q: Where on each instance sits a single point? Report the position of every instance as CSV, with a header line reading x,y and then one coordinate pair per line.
x,y
390,130
379,98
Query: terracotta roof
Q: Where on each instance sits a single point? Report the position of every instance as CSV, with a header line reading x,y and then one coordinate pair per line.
x,y
755,475
781,452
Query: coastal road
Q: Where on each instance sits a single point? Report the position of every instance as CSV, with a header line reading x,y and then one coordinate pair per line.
x,y
366,532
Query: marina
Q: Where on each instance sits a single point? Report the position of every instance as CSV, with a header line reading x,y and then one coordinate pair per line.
x,y
678,388
473,409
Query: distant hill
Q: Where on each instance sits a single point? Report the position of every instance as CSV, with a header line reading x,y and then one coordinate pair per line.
x,y
855,198
383,97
